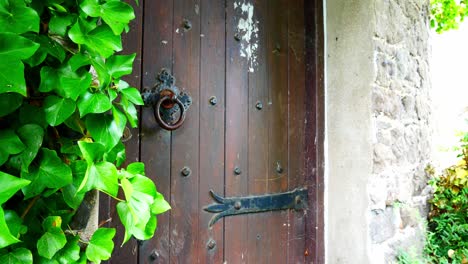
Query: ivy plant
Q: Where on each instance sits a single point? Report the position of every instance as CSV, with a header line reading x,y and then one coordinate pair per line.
x,y
447,236
447,14
63,110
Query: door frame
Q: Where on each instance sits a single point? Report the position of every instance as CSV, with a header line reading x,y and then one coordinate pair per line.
x,y
315,131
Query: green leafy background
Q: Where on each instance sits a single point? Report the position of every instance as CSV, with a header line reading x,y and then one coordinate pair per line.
x,y
63,110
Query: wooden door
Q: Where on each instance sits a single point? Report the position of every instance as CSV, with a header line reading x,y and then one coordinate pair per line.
x,y
253,71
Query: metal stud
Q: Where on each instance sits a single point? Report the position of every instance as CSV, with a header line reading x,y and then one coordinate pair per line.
x,y
237,37
187,24
298,200
237,171
186,171
154,255
213,100
237,205
211,244
259,105
279,168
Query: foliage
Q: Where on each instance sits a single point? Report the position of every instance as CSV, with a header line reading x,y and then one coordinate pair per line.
x,y
447,14
409,257
63,110
447,238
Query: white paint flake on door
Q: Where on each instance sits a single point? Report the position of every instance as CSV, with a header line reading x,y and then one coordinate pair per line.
x,y
247,31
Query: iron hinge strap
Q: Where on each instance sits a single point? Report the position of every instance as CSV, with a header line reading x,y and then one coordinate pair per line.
x,y
295,199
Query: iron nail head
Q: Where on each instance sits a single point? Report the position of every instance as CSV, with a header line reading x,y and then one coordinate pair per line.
x,y
259,105
186,171
237,171
154,255
187,24
213,100
211,244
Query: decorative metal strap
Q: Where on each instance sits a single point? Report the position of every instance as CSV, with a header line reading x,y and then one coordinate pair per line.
x,y
295,199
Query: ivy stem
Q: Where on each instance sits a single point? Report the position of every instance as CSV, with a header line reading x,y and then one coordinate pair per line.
x,y
30,205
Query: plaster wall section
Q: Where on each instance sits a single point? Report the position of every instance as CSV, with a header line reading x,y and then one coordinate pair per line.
x,y
378,129
350,72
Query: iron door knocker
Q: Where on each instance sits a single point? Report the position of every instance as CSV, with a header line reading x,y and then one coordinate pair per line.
x,y
169,104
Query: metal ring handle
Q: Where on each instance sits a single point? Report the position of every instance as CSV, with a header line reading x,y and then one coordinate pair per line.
x,y
161,122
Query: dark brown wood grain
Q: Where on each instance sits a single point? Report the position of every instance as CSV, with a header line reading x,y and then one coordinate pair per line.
x,y
259,120
277,47
314,131
212,101
277,148
155,141
236,149
297,99
185,140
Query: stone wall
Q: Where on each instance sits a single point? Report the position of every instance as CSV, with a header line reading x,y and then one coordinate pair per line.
x,y
401,114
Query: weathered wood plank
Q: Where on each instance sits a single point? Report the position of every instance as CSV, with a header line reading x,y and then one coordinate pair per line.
x,y
156,142
212,102
296,87
314,130
236,138
277,57
185,140
259,119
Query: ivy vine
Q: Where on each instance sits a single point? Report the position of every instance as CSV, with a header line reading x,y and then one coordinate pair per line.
x,y
447,14
63,110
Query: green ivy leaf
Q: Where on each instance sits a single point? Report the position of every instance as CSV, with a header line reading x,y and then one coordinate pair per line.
x,y
30,114
51,173
15,223
75,123
70,253
116,14
13,49
58,24
94,103
79,60
160,205
106,129
6,238
70,192
133,95
58,109
18,256
31,135
101,39
47,46
16,17
130,112
66,82
102,72
73,85
53,239
10,185
117,154
12,77
120,65
135,213
16,47
9,102
11,144
136,168
101,176
101,245
91,151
